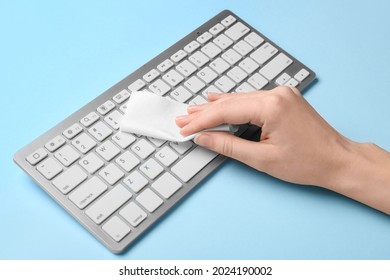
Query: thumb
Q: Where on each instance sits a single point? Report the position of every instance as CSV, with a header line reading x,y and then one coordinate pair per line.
x,y
248,152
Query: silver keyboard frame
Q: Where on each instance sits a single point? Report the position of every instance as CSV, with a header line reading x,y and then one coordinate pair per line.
x,y
118,247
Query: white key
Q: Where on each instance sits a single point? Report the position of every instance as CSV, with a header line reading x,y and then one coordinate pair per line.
x,y
116,228
123,140
198,100
199,59
88,192
229,20
181,147
257,81
254,40
110,202
179,55
237,31
301,75
192,163
173,78
106,107
192,46
151,75
70,179
292,83
36,156
127,161
151,168
186,68
149,200
245,87
166,156
89,119
243,48
283,79
237,74
165,65
204,37
133,214
135,181
248,65
166,185
55,143
216,29
219,65
67,155
211,89
156,142
111,174
72,131
263,53
123,108
223,41
207,75
194,84
143,148
181,94
137,85
211,50
91,163
121,96
108,150
225,84
114,119
231,56
159,87
100,131
275,66
49,168
84,143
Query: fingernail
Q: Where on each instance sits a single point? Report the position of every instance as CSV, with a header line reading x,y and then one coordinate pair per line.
x,y
203,140
192,107
181,117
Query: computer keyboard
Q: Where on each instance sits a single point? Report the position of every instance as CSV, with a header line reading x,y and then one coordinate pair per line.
x,y
118,184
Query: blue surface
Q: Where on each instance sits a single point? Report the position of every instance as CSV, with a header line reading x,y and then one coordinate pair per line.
x,y
56,56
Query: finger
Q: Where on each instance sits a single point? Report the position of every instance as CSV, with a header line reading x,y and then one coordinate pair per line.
x,y
212,96
195,108
182,120
236,110
235,147
185,119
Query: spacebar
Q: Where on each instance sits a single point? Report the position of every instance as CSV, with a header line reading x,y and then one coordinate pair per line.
x,y
192,163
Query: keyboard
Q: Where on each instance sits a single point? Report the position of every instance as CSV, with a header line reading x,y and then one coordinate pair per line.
x,y
116,184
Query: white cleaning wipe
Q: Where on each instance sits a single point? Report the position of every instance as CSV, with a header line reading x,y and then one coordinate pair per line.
x,y
152,115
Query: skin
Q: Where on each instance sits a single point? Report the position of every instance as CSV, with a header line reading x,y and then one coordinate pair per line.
x,y
297,145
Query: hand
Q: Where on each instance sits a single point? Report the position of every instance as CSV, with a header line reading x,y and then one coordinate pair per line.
x,y
296,145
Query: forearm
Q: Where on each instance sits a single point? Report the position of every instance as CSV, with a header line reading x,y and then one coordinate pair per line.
x,y
365,176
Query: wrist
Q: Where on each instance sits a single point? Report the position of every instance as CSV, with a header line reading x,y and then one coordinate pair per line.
x,y
363,174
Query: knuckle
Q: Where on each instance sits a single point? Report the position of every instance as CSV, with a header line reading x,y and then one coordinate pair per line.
x,y
276,102
226,146
280,100
284,90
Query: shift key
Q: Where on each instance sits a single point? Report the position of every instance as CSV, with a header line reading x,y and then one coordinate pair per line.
x,y
110,202
192,163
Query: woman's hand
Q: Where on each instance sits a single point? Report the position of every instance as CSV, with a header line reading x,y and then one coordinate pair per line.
x,y
297,145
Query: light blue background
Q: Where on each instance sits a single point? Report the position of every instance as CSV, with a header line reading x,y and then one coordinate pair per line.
x,y
55,56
